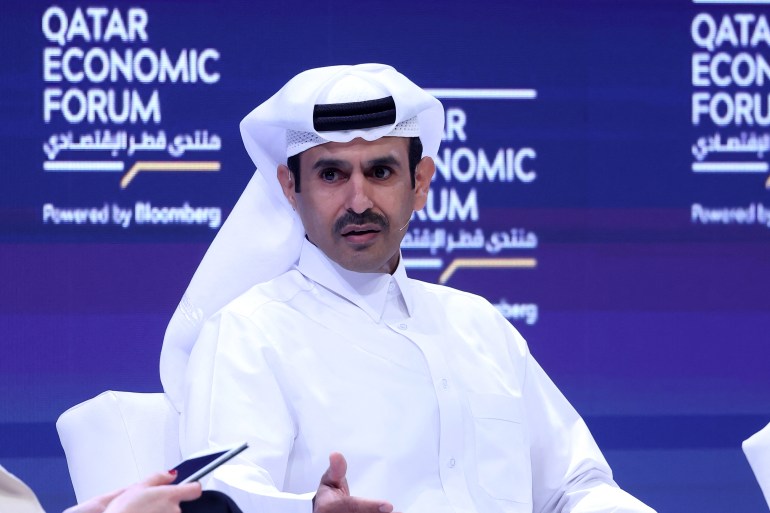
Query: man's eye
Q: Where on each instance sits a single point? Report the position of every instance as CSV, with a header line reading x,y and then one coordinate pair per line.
x,y
381,173
329,175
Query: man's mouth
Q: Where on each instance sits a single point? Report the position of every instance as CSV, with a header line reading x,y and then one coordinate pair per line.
x,y
360,233
368,223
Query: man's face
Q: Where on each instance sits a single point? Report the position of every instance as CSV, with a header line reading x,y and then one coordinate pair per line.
x,y
356,198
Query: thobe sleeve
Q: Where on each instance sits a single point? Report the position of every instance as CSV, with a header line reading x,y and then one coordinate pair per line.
x,y
569,472
232,396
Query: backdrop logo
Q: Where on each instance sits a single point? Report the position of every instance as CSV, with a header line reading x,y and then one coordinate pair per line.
x,y
103,85
435,241
730,74
730,106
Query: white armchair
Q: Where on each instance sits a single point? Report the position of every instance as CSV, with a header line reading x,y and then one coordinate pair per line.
x,y
118,438
757,450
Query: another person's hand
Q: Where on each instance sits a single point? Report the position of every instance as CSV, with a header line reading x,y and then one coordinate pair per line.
x,y
333,494
155,494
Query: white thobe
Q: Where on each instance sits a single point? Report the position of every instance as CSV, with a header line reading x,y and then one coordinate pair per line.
x,y
430,394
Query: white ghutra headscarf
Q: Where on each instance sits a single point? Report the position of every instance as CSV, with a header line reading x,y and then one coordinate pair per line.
x,y
262,236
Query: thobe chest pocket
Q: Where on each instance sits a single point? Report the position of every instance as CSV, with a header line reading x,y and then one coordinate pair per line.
x,y
502,451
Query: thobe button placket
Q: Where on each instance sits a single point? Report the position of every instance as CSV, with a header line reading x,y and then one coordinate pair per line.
x,y
451,434
402,326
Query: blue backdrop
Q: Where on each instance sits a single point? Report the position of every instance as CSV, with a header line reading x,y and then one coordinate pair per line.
x,y
603,180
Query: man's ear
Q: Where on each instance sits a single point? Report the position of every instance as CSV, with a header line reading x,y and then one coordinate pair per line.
x,y
423,174
286,179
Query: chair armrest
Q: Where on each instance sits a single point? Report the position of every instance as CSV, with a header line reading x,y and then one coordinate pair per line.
x,y
757,450
118,438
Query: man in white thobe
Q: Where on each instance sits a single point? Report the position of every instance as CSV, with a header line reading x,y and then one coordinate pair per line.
x,y
336,366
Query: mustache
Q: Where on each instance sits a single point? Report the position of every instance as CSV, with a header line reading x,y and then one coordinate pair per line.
x,y
366,217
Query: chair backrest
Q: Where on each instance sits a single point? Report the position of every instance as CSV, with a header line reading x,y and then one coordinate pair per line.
x,y
757,450
118,438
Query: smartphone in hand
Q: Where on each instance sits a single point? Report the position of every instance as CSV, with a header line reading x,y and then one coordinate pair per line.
x,y
201,463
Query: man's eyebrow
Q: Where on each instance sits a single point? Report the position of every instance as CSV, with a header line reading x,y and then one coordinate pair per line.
x,y
334,163
387,160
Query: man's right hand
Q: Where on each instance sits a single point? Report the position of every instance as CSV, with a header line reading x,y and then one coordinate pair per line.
x,y
333,494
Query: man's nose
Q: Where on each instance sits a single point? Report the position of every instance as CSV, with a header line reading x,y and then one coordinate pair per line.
x,y
359,199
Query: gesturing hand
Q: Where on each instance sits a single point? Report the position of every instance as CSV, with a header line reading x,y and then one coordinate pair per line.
x,y
333,494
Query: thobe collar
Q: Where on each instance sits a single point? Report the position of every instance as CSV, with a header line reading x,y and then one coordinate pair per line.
x,y
368,291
